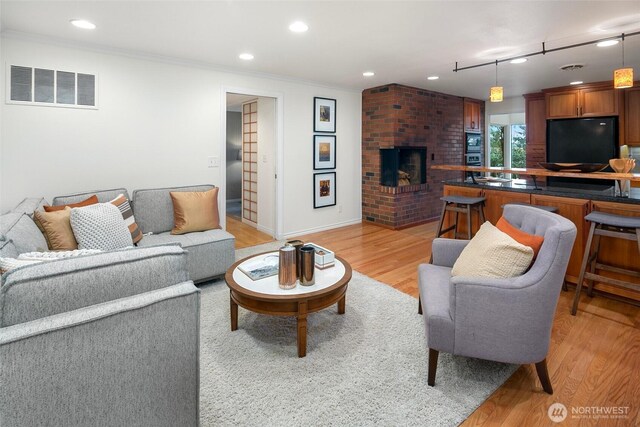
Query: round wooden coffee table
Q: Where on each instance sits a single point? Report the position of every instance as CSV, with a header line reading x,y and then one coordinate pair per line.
x,y
265,296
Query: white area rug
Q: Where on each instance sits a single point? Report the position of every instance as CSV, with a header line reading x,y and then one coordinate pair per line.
x,y
367,367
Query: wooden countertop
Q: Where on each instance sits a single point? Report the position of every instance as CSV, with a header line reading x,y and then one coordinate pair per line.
x,y
542,172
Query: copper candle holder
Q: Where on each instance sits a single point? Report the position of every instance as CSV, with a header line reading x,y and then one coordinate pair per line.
x,y
287,267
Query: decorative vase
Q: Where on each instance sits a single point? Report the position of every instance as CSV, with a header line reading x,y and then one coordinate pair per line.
x,y
623,165
308,265
297,244
622,188
287,267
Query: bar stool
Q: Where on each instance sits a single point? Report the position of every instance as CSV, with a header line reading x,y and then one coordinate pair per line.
x,y
610,225
460,204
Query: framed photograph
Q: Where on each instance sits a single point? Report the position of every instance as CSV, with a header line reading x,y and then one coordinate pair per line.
x,y
324,152
324,115
324,189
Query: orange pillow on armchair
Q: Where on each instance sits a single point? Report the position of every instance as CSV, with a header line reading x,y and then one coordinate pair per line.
x,y
531,240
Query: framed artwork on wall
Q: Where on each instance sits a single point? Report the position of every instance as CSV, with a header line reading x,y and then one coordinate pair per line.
x,y
324,115
324,189
324,152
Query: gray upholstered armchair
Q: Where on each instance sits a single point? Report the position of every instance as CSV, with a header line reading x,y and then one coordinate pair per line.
x,y
504,320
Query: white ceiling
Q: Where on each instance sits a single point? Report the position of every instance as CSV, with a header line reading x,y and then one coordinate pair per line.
x,y
403,42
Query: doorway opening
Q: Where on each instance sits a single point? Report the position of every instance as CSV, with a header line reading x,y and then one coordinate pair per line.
x,y
251,139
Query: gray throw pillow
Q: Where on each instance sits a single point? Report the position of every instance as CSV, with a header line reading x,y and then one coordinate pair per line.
x,y
100,226
7,248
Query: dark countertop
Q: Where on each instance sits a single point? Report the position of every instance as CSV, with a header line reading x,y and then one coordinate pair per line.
x,y
526,186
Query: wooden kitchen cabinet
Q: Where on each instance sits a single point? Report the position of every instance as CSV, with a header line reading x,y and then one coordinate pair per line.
x,y
497,198
562,104
575,210
599,102
618,252
450,190
632,115
472,115
587,101
536,128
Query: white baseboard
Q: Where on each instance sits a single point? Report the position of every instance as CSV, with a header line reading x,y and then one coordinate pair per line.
x,y
249,223
322,228
264,229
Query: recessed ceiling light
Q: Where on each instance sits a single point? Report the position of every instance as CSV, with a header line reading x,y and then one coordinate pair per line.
x,y
368,74
518,60
298,27
245,56
433,78
577,82
608,43
83,23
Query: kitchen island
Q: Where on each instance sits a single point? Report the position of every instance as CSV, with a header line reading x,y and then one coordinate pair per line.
x,y
572,203
534,172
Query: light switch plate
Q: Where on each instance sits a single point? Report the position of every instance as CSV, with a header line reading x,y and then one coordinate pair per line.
x,y
213,162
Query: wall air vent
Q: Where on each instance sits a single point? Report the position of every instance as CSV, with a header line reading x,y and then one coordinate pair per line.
x,y
572,67
41,86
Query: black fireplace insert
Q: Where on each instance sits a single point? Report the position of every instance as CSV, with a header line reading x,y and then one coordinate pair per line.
x,y
403,166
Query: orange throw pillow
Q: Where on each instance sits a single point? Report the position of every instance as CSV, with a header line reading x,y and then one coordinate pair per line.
x,y
86,202
195,211
531,240
57,228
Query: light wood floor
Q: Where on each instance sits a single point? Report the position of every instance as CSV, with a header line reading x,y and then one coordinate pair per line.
x,y
594,358
246,235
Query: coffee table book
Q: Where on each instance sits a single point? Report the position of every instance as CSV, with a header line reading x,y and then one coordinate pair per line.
x,y
261,267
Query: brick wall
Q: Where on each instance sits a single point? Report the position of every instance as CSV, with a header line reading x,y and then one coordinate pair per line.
x,y
396,116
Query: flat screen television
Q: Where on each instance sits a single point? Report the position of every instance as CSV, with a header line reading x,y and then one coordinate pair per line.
x,y
584,140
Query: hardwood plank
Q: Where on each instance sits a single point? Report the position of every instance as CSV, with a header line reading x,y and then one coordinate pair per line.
x,y
593,357
246,235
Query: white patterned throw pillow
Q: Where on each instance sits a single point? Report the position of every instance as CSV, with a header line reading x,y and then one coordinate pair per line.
x,y
29,258
492,253
7,264
56,255
100,226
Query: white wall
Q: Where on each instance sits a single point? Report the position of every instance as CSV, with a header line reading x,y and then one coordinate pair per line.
x,y
266,165
507,106
156,124
507,119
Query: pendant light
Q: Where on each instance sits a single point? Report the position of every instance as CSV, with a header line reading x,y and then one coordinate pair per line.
x,y
496,92
623,77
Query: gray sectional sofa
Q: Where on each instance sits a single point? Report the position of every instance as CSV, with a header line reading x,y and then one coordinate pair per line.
x,y
108,339
210,253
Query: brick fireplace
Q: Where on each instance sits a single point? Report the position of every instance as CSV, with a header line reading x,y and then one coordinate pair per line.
x,y
414,128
